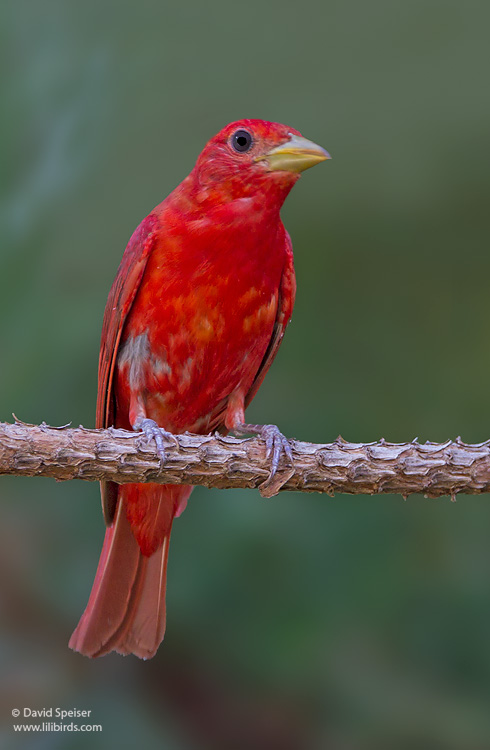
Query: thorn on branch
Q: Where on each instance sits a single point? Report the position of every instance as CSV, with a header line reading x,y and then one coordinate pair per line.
x,y
432,469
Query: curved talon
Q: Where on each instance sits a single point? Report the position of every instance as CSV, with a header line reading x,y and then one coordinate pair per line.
x,y
152,431
276,444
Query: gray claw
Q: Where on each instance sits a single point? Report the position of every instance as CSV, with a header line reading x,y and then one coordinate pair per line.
x,y
275,444
152,431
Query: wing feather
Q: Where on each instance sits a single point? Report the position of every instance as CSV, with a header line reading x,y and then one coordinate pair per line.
x,y
119,301
287,294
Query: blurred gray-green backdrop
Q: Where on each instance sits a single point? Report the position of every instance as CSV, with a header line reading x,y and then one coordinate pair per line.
x,y
303,622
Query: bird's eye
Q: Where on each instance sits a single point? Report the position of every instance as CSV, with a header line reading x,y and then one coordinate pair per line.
x,y
242,141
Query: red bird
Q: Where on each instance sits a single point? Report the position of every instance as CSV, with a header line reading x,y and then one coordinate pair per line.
x,y
192,324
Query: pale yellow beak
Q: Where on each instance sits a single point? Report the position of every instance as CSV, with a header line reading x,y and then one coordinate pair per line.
x,y
295,155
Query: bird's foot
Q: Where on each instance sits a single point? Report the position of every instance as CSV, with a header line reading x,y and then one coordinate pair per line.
x,y
276,445
152,431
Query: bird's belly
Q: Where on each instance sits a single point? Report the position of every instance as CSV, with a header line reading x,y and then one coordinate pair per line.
x,y
186,362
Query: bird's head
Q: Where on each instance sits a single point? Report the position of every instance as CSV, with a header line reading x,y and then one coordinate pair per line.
x,y
255,157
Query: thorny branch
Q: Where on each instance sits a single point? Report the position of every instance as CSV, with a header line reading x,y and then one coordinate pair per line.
x,y
433,469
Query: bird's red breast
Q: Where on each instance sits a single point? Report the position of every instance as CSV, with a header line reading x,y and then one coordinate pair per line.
x,y
202,318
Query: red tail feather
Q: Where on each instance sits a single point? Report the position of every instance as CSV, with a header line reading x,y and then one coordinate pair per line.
x,y
126,607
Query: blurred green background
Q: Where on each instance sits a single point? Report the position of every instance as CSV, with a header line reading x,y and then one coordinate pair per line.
x,y
303,622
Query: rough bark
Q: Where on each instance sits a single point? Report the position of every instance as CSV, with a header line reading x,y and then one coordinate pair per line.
x,y
432,469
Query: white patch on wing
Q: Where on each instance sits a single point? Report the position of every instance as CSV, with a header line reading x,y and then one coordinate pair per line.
x,y
135,354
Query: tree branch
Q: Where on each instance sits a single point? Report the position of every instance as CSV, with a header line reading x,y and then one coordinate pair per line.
x,y
432,469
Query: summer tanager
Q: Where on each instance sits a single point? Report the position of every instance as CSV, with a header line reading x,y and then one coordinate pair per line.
x,y
193,322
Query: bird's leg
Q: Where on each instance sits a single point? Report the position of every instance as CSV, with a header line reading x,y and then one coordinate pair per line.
x,y
276,443
152,431
140,422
